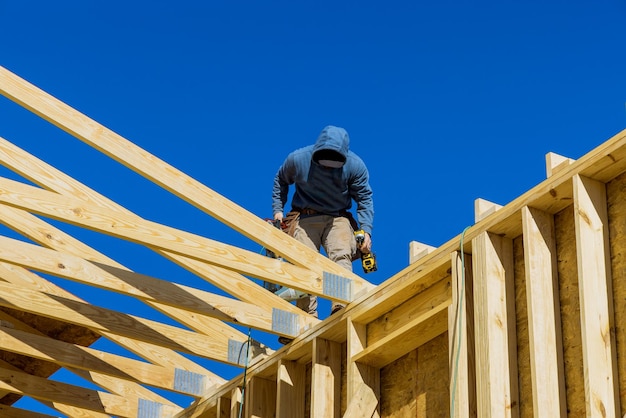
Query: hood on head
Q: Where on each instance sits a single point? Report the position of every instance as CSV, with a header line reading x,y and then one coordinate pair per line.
x,y
331,147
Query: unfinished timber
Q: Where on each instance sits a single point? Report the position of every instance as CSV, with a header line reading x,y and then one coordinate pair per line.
x,y
518,316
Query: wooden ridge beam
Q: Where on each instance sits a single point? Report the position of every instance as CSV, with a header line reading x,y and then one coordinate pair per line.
x,y
168,177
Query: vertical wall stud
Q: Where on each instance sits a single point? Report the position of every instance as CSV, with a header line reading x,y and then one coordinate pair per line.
x,y
596,306
544,324
494,319
461,339
326,379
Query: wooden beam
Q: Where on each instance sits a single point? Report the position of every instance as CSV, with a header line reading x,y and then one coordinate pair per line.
x,y
11,412
48,177
363,403
407,326
418,250
556,163
23,278
151,234
290,389
484,208
110,383
494,316
461,339
544,323
552,195
85,358
260,398
236,403
168,177
596,297
214,347
358,373
136,285
53,391
326,379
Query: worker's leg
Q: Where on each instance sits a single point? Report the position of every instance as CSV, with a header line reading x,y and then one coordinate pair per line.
x,y
309,232
340,246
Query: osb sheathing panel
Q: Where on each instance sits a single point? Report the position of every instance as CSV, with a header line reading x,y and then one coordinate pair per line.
x,y
416,385
616,202
398,387
433,392
523,337
570,312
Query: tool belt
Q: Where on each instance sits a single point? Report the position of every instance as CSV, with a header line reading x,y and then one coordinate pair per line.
x,y
291,220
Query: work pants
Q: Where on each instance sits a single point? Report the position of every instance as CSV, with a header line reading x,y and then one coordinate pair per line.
x,y
336,236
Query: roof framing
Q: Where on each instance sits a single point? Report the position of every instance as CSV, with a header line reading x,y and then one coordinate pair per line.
x,y
479,288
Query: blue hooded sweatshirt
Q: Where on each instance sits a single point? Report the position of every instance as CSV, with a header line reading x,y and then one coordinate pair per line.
x,y
326,190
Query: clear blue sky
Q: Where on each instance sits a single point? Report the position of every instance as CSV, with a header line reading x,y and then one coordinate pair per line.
x,y
445,101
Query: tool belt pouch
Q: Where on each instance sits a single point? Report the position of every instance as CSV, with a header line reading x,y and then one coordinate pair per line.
x,y
291,222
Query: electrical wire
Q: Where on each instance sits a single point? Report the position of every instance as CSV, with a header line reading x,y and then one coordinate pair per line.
x,y
245,372
461,297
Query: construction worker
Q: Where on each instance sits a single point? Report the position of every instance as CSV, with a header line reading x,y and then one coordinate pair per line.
x,y
327,177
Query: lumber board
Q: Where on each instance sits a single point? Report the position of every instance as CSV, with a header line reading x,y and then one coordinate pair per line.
x,y
423,305
11,412
136,285
326,379
118,386
214,347
18,276
260,398
363,404
166,176
461,339
149,233
544,323
552,195
596,306
290,389
496,373
406,338
85,358
555,163
359,373
51,179
53,391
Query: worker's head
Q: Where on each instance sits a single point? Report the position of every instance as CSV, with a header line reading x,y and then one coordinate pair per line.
x,y
331,148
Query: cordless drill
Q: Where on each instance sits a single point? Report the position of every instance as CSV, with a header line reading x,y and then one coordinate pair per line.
x,y
368,261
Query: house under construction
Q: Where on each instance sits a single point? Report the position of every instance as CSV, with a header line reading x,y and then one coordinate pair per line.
x,y
517,316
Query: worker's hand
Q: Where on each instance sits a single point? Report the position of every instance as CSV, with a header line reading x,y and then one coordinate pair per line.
x,y
278,216
366,246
